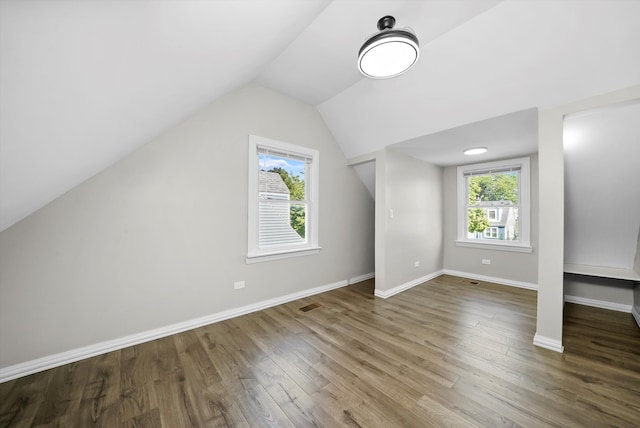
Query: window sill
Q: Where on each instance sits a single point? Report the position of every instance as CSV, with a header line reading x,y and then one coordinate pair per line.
x,y
278,255
499,247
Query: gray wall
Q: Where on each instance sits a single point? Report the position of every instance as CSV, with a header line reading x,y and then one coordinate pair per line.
x,y
602,213
601,222
506,265
160,237
636,303
636,263
636,291
602,289
413,190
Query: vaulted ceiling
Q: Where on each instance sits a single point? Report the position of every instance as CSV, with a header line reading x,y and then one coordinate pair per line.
x,y
84,83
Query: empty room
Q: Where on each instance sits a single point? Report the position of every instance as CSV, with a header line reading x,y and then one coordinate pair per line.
x,y
336,213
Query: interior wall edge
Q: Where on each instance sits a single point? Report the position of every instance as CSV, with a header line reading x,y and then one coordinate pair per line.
x,y
385,294
495,280
360,278
636,314
602,304
635,310
548,343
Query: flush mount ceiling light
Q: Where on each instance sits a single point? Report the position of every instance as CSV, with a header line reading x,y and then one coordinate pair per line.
x,y
475,151
389,52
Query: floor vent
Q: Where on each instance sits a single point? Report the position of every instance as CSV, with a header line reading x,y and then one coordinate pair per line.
x,y
310,307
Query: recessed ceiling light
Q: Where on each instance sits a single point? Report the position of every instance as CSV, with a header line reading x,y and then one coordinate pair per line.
x,y
475,151
389,52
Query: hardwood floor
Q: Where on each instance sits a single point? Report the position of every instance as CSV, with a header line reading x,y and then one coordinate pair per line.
x,y
448,352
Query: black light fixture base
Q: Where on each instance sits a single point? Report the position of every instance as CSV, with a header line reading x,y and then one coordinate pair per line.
x,y
386,22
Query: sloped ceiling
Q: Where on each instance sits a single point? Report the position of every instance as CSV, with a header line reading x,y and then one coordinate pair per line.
x,y
84,83
515,56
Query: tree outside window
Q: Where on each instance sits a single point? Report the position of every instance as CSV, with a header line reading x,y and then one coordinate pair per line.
x,y
486,193
494,205
294,180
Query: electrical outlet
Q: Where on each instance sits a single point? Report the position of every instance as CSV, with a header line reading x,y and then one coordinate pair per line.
x,y
416,264
486,261
238,285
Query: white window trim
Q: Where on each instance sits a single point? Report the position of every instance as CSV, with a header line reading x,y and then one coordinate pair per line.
x,y
256,254
524,245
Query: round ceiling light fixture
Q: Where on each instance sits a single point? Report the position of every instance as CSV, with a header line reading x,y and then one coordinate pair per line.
x,y
389,52
475,151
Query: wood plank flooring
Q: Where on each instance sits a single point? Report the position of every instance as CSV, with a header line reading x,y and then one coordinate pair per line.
x,y
449,352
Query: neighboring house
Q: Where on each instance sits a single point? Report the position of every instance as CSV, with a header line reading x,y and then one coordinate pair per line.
x,y
502,222
275,217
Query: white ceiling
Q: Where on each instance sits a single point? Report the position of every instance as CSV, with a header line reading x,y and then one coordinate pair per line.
x,y
515,56
84,83
335,37
511,135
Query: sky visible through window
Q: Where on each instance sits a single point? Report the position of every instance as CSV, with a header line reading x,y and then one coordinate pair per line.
x,y
292,166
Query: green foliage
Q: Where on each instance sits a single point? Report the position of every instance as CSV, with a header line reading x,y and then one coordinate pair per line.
x,y
298,219
296,189
478,220
493,187
293,182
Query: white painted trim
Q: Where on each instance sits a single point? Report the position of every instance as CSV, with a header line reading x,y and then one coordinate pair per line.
x,y
636,315
602,271
385,294
282,255
361,278
56,360
311,245
620,307
501,281
548,343
497,247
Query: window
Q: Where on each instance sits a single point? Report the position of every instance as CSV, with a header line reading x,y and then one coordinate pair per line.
x,y
493,205
283,200
491,233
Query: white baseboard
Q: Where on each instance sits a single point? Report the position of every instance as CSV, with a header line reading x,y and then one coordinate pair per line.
x,y
385,294
56,360
598,303
548,343
636,314
501,281
361,278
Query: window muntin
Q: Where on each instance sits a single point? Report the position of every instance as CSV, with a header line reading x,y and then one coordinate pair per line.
x,y
282,199
493,203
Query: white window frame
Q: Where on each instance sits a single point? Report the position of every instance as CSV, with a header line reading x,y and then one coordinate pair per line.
x,y
254,252
491,229
495,214
524,211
